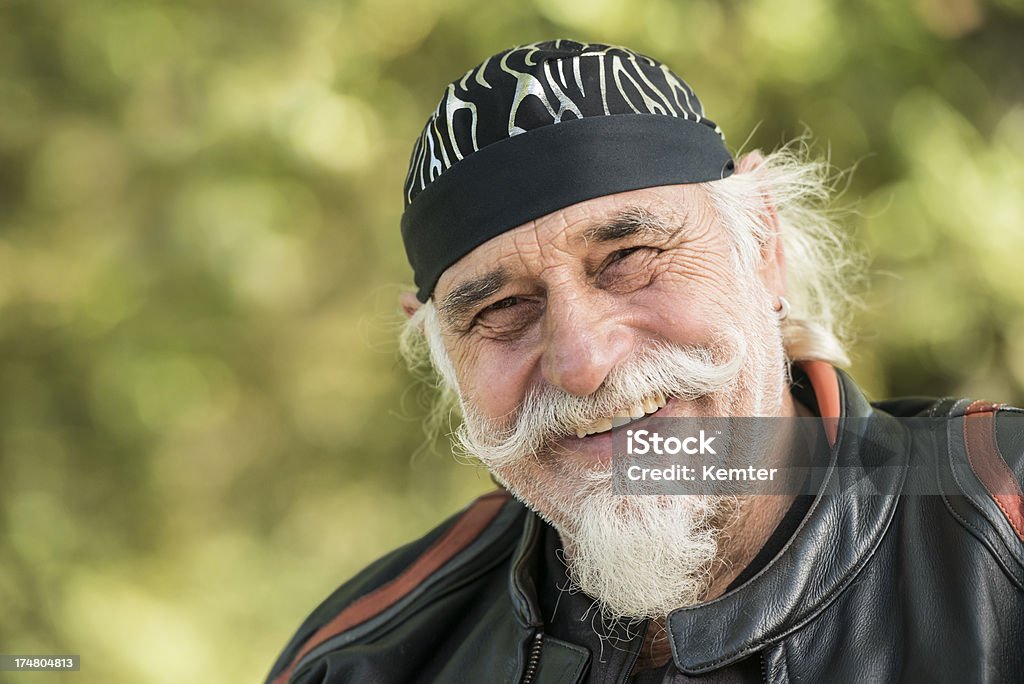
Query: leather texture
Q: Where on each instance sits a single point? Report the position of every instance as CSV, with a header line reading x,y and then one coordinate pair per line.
x,y
876,585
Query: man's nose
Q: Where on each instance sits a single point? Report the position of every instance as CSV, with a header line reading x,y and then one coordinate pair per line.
x,y
582,344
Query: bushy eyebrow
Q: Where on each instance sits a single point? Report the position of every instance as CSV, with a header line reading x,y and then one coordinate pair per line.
x,y
458,303
632,222
628,222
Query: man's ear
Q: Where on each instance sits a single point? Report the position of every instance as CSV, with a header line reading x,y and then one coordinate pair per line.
x,y
409,303
773,257
750,161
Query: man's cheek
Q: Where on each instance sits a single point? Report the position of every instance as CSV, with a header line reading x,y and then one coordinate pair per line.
x,y
491,383
682,311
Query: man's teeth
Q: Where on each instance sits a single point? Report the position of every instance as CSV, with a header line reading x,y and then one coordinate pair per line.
x,y
625,415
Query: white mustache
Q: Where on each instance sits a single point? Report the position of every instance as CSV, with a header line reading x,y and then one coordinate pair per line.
x,y
549,413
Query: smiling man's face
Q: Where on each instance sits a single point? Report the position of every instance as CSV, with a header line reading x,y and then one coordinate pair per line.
x,y
620,306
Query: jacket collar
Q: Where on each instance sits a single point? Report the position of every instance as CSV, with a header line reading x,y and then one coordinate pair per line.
x,y
834,542
522,583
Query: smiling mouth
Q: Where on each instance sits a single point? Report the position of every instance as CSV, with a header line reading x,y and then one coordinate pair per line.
x,y
624,416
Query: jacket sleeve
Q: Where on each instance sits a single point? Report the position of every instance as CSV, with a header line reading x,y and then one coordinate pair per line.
x,y
381,585
377,574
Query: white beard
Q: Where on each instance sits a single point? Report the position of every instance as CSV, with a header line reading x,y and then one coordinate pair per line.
x,y
643,556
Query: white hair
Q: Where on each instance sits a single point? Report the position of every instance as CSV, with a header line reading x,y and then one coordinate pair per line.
x,y
821,267
421,345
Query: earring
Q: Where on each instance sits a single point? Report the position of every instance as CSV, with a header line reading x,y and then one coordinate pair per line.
x,y
782,310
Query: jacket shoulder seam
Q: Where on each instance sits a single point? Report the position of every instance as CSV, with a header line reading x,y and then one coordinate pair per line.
x,y
981,538
965,497
989,465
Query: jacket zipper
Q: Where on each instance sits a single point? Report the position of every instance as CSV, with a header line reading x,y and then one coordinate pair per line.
x,y
533,659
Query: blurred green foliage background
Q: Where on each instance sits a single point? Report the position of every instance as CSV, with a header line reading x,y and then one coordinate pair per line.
x,y
204,427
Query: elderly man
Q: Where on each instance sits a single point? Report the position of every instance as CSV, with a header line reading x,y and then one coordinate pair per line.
x,y
587,256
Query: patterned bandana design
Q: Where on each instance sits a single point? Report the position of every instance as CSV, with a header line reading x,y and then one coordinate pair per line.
x,y
542,84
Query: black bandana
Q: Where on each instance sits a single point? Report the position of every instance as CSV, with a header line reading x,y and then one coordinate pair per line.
x,y
490,157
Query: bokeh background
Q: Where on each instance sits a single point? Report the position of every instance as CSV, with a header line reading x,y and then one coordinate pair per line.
x,y
204,426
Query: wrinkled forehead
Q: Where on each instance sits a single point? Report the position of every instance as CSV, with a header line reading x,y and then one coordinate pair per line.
x,y
648,213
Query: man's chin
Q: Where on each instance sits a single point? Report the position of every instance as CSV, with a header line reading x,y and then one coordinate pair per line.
x,y
638,556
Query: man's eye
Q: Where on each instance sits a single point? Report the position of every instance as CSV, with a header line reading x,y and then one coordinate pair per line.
x,y
621,254
503,304
625,270
637,256
508,317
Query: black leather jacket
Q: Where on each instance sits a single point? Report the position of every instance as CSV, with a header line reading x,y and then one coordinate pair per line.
x,y
878,584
